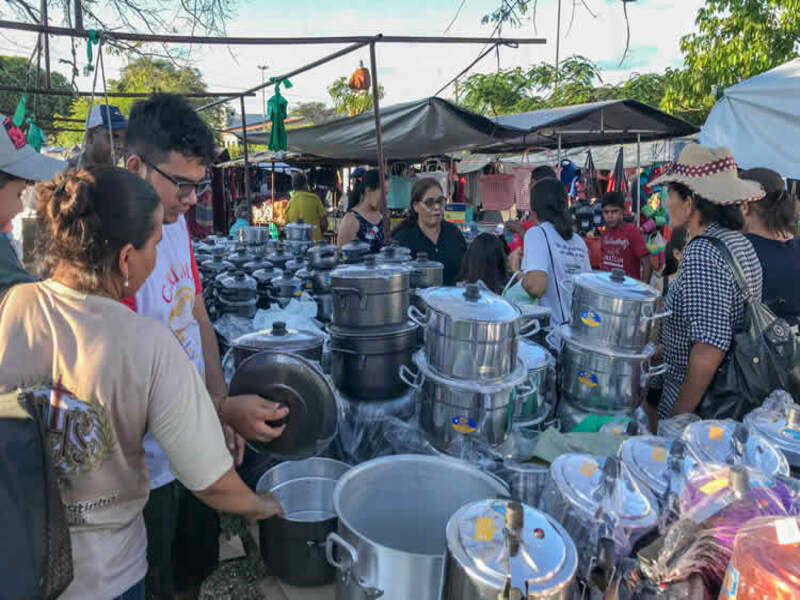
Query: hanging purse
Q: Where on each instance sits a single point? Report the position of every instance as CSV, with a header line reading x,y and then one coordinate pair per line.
x,y
763,357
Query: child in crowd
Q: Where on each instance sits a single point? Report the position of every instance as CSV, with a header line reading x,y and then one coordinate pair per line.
x,y
623,246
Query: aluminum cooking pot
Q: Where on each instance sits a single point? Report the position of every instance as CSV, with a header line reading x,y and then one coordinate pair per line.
x,y
370,295
449,409
298,249
257,265
470,333
490,541
293,545
321,281
646,459
280,257
299,231
241,257
609,309
355,251
599,378
425,273
253,235
239,308
323,257
235,286
215,266
393,513
394,254
365,364
294,265
324,307
304,275
265,276
286,286
279,338
539,363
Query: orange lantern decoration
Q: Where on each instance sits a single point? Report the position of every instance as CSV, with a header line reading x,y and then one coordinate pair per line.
x,y
360,79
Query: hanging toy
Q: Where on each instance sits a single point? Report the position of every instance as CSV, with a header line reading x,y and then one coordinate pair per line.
x,y
360,79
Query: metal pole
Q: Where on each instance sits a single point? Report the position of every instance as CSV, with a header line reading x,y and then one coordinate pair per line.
x,y
46,47
558,156
78,16
263,94
246,157
379,138
45,92
638,175
558,41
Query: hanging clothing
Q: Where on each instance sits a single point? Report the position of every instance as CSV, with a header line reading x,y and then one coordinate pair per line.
x,y
277,111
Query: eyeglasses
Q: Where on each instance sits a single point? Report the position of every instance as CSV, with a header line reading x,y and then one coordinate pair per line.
x,y
432,202
183,188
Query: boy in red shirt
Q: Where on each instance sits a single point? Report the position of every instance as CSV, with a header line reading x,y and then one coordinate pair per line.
x,y
623,246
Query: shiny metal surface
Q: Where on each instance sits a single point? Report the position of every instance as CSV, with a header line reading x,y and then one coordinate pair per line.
x,y
299,231
253,235
321,281
370,295
304,488
394,254
279,339
781,427
539,364
611,310
286,286
323,257
393,513
646,458
298,249
425,273
324,307
215,266
542,560
354,252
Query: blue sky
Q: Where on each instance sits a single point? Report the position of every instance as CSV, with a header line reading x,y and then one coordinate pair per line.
x,y
413,71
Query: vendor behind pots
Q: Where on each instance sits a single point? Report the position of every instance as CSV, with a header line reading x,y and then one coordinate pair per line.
x,y
424,229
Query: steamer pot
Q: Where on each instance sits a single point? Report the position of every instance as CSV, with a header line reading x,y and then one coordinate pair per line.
x,y
370,295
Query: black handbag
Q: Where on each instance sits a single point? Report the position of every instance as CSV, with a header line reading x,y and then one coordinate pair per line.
x,y
763,357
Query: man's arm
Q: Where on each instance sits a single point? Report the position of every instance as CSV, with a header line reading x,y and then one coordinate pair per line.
x,y
535,283
647,268
704,360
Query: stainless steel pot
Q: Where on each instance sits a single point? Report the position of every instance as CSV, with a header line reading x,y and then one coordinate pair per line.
x,y
646,459
253,235
264,278
470,333
279,339
293,545
279,257
323,257
321,281
394,255
449,409
286,287
393,513
294,265
494,542
324,307
299,231
370,295
215,266
239,308
257,265
304,275
355,252
425,273
609,309
241,257
236,286
365,364
298,249
600,378
539,364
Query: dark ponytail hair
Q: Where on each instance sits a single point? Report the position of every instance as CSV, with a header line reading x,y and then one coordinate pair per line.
x,y
549,202
86,217
778,209
370,180
418,192
486,260
728,216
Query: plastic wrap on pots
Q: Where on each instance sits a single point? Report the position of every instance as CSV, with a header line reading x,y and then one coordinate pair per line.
x,y
778,420
300,313
673,427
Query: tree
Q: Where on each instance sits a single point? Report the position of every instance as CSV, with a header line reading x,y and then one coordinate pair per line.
x,y
735,40
144,75
314,113
350,102
16,71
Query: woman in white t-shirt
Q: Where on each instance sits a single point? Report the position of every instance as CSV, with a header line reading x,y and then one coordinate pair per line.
x,y
554,254
104,376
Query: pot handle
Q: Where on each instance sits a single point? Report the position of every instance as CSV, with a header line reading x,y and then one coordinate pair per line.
x,y
411,379
654,372
657,316
343,292
368,592
417,316
530,329
553,341
525,388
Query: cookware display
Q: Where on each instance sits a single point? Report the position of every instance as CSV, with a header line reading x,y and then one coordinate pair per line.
x,y
425,272
504,549
299,231
293,545
540,366
323,257
280,339
370,295
393,512
355,252
781,426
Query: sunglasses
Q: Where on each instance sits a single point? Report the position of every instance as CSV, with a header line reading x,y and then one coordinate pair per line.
x,y
432,202
183,188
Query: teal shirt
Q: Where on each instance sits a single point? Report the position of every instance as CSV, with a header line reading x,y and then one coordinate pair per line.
x,y
239,223
11,270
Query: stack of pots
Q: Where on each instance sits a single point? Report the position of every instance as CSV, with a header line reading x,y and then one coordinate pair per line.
x,y
210,269
604,351
254,239
284,288
355,252
236,293
370,335
468,374
322,259
299,237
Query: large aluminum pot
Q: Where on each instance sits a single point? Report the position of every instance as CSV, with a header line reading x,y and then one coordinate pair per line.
x,y
365,364
278,339
489,538
609,309
425,273
599,378
393,513
370,295
299,231
450,409
293,545
470,333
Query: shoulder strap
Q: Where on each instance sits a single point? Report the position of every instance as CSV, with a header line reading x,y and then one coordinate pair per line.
x,y
553,267
735,265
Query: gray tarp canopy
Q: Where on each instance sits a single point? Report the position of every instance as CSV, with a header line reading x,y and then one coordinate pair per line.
x,y
597,123
411,131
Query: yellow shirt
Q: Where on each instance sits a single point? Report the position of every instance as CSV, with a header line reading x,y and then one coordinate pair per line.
x,y
307,206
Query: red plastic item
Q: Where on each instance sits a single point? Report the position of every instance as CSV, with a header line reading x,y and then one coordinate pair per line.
x,y
497,191
595,247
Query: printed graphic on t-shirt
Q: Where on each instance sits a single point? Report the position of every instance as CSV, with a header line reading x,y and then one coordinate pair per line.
x,y
613,252
179,294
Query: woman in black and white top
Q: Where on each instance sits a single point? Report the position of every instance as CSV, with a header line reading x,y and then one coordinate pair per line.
x,y
707,306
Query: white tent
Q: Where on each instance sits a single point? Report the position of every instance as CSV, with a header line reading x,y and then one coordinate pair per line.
x,y
759,120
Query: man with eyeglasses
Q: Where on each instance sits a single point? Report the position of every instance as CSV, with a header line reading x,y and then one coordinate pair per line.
x,y
169,146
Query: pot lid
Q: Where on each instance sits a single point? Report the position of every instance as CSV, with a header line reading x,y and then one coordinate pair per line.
x,y
394,254
781,427
257,264
356,246
300,225
296,264
303,274
266,275
730,443
547,558
534,356
280,338
646,457
373,333
588,483
564,332
236,280
422,262
216,264
616,285
280,253
323,249
370,269
470,303
286,280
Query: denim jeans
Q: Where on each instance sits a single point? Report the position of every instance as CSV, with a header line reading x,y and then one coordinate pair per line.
x,y
135,592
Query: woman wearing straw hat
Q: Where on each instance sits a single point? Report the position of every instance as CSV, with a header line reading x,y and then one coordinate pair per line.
x,y
706,304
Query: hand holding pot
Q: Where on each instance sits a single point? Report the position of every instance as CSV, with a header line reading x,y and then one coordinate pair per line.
x,y
271,507
251,416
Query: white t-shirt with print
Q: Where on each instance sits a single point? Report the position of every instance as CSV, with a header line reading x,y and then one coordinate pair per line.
x,y
168,296
569,258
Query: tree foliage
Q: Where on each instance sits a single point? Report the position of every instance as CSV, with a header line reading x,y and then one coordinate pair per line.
x,y
351,102
315,113
15,71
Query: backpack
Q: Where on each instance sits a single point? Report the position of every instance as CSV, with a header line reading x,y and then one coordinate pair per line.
x,y
764,356
36,554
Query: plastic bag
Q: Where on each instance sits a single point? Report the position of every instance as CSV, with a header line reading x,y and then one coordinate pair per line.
x,y
673,427
298,314
231,327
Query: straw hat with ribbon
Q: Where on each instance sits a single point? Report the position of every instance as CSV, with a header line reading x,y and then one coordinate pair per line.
x,y
711,173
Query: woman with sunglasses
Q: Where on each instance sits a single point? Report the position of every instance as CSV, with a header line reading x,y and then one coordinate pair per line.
x,y
425,230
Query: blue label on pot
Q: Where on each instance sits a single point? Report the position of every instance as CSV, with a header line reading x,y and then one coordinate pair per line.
x,y
591,318
464,424
792,434
587,378
297,292
308,285
731,584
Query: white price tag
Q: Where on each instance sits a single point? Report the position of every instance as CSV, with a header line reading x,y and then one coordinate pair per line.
x,y
787,531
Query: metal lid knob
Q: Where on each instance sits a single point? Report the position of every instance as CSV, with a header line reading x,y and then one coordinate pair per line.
x,y
617,275
279,328
370,260
793,417
472,292
739,480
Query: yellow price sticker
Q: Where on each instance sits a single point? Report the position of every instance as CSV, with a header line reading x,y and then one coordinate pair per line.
x,y
716,433
712,487
484,529
587,468
658,454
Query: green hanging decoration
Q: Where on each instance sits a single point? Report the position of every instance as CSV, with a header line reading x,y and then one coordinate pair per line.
x,y
35,135
19,114
94,38
277,109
